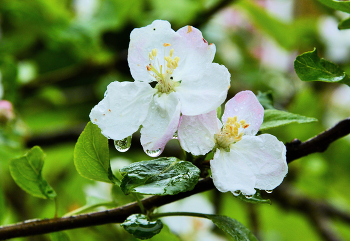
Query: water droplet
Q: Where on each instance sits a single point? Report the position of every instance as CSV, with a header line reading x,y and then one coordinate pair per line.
x,y
175,136
106,93
248,196
237,192
268,191
154,153
123,145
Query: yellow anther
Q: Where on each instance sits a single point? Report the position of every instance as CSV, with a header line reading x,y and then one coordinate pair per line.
x,y
171,52
150,56
189,29
242,122
166,44
154,52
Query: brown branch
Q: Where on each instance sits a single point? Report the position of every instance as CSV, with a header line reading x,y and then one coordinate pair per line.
x,y
295,149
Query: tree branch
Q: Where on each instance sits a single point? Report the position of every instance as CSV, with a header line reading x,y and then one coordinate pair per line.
x,y
295,149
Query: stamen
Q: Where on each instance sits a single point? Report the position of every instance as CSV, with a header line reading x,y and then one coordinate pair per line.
x,y
171,52
154,52
189,29
166,44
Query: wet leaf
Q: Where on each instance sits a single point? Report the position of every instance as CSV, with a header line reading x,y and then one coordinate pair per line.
x,y
162,176
139,226
343,6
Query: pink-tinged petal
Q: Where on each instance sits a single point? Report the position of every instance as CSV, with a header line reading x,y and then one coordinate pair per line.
x,y
230,173
196,133
194,52
142,41
123,109
266,157
246,107
205,92
161,122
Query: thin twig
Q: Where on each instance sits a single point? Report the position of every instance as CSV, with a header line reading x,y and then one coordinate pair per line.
x,y
118,215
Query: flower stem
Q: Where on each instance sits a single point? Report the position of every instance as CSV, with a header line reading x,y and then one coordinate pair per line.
x,y
139,203
159,215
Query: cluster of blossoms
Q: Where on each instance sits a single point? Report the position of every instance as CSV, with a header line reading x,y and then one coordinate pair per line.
x,y
189,88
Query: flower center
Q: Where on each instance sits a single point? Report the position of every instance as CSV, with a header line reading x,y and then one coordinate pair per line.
x,y
231,132
166,84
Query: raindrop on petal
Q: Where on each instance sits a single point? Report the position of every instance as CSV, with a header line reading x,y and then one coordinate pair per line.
x,y
154,153
268,191
248,196
175,136
106,93
123,145
237,192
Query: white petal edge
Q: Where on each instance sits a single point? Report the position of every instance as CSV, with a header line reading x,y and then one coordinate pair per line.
x,y
246,107
123,109
266,157
204,92
230,173
196,133
161,122
142,41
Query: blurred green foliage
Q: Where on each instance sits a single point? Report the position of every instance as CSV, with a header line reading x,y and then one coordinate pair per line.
x,y
58,56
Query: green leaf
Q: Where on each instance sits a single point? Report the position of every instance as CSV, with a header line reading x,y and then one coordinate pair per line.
x,y
139,226
345,24
91,155
26,171
274,118
232,228
343,6
59,236
266,99
91,204
162,176
256,198
309,67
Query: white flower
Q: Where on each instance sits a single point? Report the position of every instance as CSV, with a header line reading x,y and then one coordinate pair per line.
x,y
242,161
187,82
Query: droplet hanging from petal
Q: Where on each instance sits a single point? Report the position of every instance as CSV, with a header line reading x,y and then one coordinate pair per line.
x,y
268,191
154,153
123,145
248,196
175,136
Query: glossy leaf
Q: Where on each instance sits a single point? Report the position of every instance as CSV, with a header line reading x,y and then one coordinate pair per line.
x,y
343,6
59,236
26,171
345,24
139,226
274,118
310,67
232,228
162,176
256,198
91,155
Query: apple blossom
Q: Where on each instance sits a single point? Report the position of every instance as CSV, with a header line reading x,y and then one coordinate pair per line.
x,y
187,82
242,161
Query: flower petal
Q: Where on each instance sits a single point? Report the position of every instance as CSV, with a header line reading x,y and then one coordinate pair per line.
x,y
246,107
230,172
266,157
194,52
161,122
196,133
142,41
204,92
123,109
